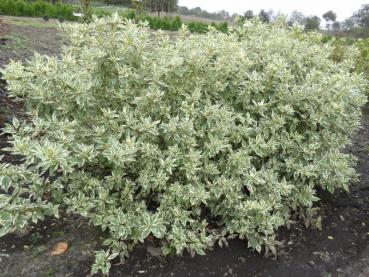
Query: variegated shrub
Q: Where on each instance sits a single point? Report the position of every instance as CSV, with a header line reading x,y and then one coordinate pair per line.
x,y
190,139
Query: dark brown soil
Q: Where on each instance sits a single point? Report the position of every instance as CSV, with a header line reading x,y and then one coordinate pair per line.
x,y
340,249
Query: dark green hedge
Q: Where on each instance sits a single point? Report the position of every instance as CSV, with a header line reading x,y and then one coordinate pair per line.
x,y
65,11
36,9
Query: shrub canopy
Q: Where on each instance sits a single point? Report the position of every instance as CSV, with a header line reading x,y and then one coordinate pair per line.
x,y
188,139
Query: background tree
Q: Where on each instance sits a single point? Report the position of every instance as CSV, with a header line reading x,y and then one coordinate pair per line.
x,y
312,23
183,10
234,17
172,5
195,11
126,3
348,24
330,17
361,17
336,26
221,15
357,25
296,17
264,16
158,6
249,14
224,14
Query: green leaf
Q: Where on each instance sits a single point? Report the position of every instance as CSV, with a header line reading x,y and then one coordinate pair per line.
x,y
5,230
5,182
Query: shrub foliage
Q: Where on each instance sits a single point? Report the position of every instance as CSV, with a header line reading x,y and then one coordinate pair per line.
x,y
190,140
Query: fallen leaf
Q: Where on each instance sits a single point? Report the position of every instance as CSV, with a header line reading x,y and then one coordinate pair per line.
x,y
330,237
59,249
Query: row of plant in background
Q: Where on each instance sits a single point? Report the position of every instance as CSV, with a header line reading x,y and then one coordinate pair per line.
x,y
189,142
37,9
65,12
342,47
174,24
362,63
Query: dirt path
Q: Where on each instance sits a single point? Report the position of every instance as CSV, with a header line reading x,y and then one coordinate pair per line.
x,y
341,249
24,35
